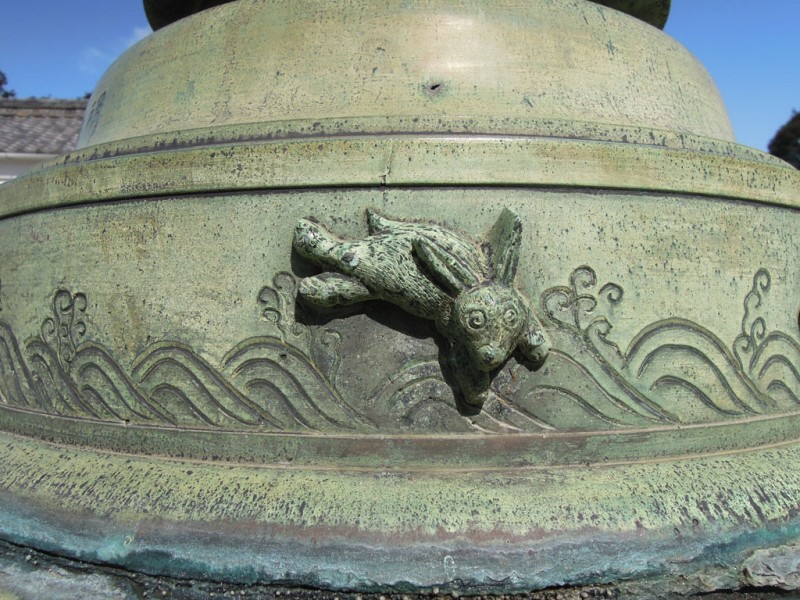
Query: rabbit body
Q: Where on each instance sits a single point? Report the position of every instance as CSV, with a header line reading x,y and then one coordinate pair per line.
x,y
432,272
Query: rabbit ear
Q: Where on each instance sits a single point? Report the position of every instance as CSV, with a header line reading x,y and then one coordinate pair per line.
x,y
443,267
505,240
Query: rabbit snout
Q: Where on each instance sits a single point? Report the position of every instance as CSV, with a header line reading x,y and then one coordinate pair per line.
x,y
488,322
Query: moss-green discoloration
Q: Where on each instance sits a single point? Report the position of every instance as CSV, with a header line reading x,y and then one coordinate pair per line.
x,y
389,161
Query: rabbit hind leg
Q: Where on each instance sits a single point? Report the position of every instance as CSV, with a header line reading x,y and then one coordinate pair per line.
x,y
333,289
314,242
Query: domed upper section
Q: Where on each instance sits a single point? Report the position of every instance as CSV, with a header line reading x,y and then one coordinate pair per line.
x,y
305,60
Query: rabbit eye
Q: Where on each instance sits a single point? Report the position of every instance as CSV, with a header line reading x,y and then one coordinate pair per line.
x,y
476,319
510,317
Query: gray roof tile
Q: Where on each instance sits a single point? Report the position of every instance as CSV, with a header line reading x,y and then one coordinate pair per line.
x,y
40,125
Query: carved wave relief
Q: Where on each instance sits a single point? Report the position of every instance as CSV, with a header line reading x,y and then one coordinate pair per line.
x,y
672,372
281,381
675,370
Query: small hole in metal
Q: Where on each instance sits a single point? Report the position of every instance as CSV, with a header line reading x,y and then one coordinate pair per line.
x,y
434,89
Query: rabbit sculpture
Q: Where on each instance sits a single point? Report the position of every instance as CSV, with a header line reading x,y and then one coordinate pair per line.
x,y
432,272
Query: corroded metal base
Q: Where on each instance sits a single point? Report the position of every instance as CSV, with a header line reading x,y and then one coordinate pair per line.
x,y
509,529
184,392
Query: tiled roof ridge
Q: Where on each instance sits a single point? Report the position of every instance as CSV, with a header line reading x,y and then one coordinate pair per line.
x,y
42,108
44,103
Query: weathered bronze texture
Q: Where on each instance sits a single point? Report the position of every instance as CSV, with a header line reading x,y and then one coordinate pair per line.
x,y
241,326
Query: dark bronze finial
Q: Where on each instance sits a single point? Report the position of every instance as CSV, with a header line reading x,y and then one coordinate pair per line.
x,y
161,13
654,12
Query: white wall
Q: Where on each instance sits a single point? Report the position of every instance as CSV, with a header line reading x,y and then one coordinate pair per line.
x,y
12,165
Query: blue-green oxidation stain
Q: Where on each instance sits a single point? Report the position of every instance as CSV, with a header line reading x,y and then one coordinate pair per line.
x,y
594,558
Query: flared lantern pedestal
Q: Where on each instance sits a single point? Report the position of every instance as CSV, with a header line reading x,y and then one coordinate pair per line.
x,y
393,295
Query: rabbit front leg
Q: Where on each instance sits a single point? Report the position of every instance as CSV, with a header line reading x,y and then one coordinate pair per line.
x,y
474,384
533,345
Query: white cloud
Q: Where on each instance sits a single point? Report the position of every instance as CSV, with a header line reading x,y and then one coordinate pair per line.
x,y
94,60
138,33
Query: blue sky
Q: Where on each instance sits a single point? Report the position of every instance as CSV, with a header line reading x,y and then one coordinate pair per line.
x,y
59,48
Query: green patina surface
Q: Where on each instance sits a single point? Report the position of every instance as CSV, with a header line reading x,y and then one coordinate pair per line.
x,y
291,60
168,405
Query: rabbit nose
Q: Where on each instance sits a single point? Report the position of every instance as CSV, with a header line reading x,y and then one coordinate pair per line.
x,y
488,355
